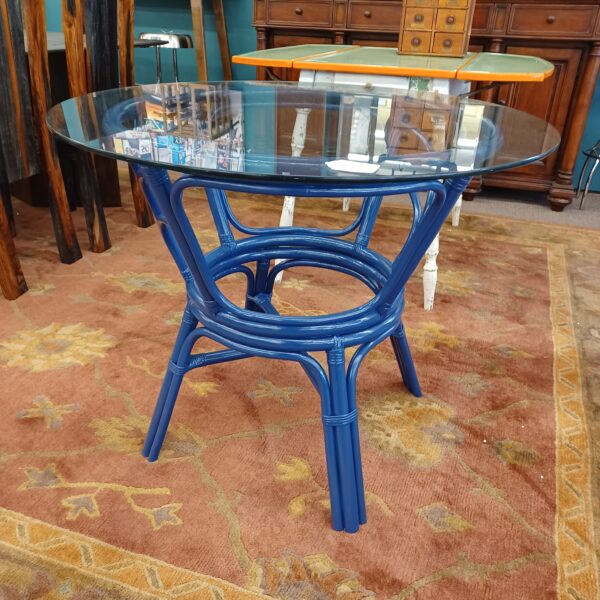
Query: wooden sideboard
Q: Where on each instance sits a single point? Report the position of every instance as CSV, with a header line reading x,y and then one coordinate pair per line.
x,y
564,33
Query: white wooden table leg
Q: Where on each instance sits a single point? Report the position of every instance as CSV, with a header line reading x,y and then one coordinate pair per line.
x,y
430,268
456,212
285,220
298,140
287,212
430,273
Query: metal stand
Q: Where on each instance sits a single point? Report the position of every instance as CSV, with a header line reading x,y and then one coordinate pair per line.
x,y
593,154
168,40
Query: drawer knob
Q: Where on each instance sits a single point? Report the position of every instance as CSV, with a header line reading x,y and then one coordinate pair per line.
x,y
450,19
416,41
419,18
447,43
405,118
298,11
550,19
403,138
367,14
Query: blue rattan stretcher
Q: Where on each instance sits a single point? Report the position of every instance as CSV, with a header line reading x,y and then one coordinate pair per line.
x,y
258,329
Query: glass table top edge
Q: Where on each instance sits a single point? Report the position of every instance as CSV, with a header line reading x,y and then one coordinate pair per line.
x,y
215,175
322,177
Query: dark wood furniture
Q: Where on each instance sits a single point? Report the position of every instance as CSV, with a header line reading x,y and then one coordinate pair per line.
x,y
564,33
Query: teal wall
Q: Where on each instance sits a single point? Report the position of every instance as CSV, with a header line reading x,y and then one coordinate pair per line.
x,y
156,15
53,15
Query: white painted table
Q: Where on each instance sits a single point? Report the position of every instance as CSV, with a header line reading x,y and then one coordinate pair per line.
x,y
376,68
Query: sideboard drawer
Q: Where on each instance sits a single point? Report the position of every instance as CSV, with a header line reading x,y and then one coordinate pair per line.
x,y
405,139
449,19
552,20
380,15
453,3
408,117
284,12
430,116
448,43
416,42
419,18
421,3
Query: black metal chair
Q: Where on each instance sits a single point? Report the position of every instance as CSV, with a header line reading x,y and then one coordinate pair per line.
x,y
168,40
593,154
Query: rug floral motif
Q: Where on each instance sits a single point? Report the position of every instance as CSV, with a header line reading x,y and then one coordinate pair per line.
x,y
482,488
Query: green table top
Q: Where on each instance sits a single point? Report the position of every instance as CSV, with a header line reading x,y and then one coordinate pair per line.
x,y
383,61
285,57
505,67
483,66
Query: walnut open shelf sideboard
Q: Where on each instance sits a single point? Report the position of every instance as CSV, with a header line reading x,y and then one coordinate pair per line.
x,y
565,33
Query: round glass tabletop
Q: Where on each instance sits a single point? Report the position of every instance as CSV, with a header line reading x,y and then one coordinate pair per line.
x,y
287,131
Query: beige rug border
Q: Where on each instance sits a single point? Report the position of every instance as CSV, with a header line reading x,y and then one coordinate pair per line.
x,y
22,534
575,545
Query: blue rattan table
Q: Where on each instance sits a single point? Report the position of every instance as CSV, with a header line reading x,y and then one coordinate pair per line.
x,y
235,137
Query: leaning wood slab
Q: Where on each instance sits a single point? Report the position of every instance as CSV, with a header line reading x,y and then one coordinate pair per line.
x,y
12,282
34,14
18,136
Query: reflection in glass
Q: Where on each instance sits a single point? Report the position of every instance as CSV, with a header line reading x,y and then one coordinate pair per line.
x,y
310,133
416,131
191,124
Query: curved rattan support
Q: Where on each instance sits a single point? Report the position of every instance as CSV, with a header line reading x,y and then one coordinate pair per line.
x,y
257,329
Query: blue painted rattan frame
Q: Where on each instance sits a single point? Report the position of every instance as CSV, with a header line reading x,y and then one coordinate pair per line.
x,y
258,329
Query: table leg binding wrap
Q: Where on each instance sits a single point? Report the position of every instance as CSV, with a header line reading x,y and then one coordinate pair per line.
x,y
176,369
338,420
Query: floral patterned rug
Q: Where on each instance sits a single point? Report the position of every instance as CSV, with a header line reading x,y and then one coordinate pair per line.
x,y
482,488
